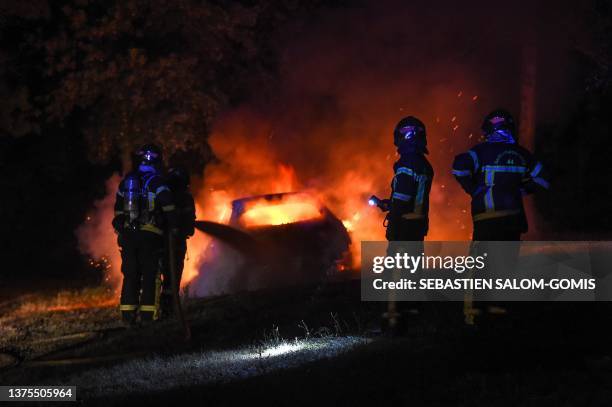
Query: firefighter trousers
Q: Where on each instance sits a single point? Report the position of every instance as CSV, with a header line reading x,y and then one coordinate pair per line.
x,y
141,253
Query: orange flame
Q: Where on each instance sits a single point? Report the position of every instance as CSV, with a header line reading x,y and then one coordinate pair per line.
x,y
290,209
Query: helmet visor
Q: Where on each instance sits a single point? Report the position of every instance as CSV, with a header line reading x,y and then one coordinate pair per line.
x,y
499,122
408,132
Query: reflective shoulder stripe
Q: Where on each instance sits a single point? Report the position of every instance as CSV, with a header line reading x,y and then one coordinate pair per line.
x,y
168,208
542,182
474,158
148,180
118,213
127,307
506,168
120,193
536,170
404,170
161,189
401,197
461,173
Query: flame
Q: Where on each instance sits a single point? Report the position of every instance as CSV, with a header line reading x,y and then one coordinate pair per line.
x,y
259,164
289,209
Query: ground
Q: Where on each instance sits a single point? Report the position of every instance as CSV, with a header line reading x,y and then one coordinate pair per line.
x,y
314,345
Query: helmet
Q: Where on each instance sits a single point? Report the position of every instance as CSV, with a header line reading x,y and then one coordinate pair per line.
x,y
178,179
149,155
410,131
499,121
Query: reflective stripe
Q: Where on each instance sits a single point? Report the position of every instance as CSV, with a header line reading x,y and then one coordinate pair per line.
x,y
542,182
461,173
152,228
161,189
168,208
151,200
127,307
495,214
474,158
401,197
150,308
413,216
420,196
489,204
505,168
120,193
536,170
490,171
404,170
118,213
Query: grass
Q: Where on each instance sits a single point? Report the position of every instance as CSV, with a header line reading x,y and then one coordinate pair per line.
x,y
303,346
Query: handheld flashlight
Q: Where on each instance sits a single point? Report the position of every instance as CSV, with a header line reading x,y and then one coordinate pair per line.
x,y
383,204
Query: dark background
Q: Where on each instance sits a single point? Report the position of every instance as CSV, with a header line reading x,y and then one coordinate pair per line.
x,y
84,81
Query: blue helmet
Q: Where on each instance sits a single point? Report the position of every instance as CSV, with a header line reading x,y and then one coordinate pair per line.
x,y
499,126
149,155
410,131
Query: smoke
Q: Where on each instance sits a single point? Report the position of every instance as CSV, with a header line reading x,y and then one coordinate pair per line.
x,y
97,239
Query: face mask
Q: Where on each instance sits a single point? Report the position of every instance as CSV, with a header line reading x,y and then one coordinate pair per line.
x,y
501,136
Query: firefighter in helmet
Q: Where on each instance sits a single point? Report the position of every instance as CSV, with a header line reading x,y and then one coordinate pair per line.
x,y
496,174
408,218
144,210
178,181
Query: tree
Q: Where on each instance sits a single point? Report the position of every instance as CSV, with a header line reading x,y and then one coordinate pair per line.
x,y
146,71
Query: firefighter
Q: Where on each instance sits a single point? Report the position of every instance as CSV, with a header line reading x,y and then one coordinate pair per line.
x,y
496,174
408,217
144,209
178,181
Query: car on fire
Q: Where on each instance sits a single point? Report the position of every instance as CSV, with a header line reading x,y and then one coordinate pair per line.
x,y
297,238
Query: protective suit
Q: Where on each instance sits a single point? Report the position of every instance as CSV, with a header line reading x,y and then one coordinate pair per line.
x,y
408,218
144,210
496,174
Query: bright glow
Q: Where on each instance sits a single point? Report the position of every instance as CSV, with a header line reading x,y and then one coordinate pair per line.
x,y
291,209
371,202
282,349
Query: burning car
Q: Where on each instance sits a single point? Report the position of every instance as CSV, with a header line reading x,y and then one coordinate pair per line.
x,y
295,239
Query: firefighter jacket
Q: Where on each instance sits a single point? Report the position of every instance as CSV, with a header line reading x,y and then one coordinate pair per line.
x,y
410,189
496,175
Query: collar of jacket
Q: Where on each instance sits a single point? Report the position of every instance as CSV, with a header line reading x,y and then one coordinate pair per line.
x,y
406,149
146,168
